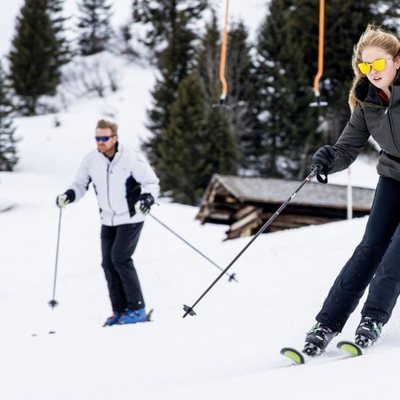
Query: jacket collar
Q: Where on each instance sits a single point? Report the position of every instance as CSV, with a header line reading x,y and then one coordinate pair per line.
x,y
117,154
366,92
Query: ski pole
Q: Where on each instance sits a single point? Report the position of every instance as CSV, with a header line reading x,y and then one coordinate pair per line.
x,y
190,310
232,277
53,302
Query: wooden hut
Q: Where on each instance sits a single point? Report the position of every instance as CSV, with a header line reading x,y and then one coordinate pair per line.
x,y
246,203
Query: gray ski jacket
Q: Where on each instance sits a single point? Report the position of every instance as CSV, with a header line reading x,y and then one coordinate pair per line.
x,y
372,118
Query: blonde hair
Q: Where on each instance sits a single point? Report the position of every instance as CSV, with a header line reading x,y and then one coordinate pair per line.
x,y
373,36
104,124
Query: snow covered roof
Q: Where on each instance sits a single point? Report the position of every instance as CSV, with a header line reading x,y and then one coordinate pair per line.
x,y
262,190
246,203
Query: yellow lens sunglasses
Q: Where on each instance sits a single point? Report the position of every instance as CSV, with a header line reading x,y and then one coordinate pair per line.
x,y
378,65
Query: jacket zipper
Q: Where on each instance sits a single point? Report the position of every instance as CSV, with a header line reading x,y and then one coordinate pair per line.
x,y
108,193
387,111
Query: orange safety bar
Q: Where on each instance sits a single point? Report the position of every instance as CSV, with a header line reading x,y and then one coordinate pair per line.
x,y
222,66
320,47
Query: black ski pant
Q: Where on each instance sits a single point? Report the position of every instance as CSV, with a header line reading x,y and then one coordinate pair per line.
x,y
117,246
375,262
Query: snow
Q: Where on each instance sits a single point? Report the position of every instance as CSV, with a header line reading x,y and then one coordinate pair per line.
x,y
229,351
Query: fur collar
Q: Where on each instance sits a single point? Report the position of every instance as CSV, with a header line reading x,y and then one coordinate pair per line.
x,y
367,92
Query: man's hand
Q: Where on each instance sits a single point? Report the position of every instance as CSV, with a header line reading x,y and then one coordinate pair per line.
x,y
63,199
146,200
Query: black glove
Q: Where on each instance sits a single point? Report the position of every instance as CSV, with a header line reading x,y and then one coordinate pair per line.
x,y
323,160
146,200
63,199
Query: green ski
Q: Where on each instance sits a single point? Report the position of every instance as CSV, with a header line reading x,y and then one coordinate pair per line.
x,y
350,348
293,355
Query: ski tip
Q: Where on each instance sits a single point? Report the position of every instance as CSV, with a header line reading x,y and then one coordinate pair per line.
x,y
149,314
293,354
350,348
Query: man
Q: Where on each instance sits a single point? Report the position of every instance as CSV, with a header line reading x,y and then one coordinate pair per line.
x,y
126,187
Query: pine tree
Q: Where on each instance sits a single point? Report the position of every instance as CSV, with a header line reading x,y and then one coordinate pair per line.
x,y
162,17
174,62
238,111
197,141
194,145
94,26
284,116
221,152
287,54
346,20
8,151
175,65
208,61
62,49
37,54
391,11
181,144
241,95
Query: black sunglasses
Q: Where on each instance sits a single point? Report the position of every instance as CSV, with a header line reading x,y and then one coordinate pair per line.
x,y
103,138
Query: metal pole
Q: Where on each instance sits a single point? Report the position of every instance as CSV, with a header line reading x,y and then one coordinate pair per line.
x,y
189,310
231,276
53,302
349,195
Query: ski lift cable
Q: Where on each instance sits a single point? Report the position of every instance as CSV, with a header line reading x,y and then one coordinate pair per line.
x,y
222,66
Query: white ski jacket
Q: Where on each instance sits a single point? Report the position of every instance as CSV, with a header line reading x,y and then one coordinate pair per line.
x,y
117,183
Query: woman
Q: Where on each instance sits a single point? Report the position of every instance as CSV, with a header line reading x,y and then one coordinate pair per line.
x,y
375,103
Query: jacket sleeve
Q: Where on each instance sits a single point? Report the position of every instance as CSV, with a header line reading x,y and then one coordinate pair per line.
x,y
82,180
351,141
144,174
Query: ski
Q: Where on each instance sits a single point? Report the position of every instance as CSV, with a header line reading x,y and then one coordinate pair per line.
x,y
298,358
350,348
149,315
293,355
6,208
37,334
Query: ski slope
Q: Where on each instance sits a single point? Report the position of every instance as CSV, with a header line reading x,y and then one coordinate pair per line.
x,y
230,350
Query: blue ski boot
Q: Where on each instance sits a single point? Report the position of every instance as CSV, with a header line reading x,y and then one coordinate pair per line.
x,y
113,320
133,316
